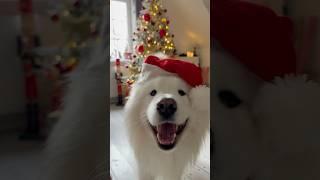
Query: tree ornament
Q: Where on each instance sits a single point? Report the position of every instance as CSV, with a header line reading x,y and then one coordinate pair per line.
x,y
141,49
55,18
162,33
147,17
77,4
26,6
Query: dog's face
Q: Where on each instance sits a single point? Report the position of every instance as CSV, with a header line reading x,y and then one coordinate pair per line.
x,y
167,109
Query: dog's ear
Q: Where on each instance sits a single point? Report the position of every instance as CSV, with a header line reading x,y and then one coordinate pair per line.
x,y
200,98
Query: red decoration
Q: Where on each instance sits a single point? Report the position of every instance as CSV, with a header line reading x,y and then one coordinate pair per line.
x,y
55,18
168,21
147,17
187,71
94,33
77,4
162,33
118,62
26,6
257,24
31,82
141,49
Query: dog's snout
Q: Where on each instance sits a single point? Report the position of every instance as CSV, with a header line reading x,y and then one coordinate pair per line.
x,y
167,107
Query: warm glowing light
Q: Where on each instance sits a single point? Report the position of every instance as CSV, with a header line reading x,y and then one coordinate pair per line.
x,y
58,58
190,54
66,13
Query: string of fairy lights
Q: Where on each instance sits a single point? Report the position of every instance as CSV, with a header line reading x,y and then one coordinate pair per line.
x,y
152,33
79,20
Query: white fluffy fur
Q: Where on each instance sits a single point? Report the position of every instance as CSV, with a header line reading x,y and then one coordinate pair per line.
x,y
273,134
234,135
77,146
140,108
288,115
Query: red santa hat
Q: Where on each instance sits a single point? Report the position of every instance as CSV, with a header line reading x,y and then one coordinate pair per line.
x,y
199,94
154,66
256,36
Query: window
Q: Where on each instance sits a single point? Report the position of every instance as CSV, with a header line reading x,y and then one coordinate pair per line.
x,y
120,27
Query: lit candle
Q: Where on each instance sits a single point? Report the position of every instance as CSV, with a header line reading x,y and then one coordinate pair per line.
x,y
189,53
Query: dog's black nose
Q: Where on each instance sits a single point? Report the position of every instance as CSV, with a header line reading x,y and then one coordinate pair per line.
x,y
167,107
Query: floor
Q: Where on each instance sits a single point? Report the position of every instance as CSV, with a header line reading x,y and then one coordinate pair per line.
x,y
122,162
19,160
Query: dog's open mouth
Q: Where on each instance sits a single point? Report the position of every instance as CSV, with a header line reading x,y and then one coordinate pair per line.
x,y
167,134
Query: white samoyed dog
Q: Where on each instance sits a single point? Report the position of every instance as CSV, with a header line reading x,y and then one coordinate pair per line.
x,y
167,121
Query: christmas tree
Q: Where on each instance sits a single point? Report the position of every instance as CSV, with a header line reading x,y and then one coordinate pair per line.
x,y
152,35
79,20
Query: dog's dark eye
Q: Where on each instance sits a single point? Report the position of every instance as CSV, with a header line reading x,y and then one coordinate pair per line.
x,y
229,99
153,92
181,92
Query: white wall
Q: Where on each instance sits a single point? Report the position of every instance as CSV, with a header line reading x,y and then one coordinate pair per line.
x,y
299,9
190,23
11,75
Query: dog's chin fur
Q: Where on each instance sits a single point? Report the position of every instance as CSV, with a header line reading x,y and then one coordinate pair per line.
x,y
140,110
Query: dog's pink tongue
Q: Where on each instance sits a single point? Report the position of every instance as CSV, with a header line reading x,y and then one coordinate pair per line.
x,y
166,133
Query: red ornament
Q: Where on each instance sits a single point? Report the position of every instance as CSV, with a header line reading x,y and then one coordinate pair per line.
x,y
117,62
77,4
94,33
162,33
147,17
141,49
26,6
55,18
168,21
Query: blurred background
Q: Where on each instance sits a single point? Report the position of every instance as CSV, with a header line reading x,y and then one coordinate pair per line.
x,y
42,43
